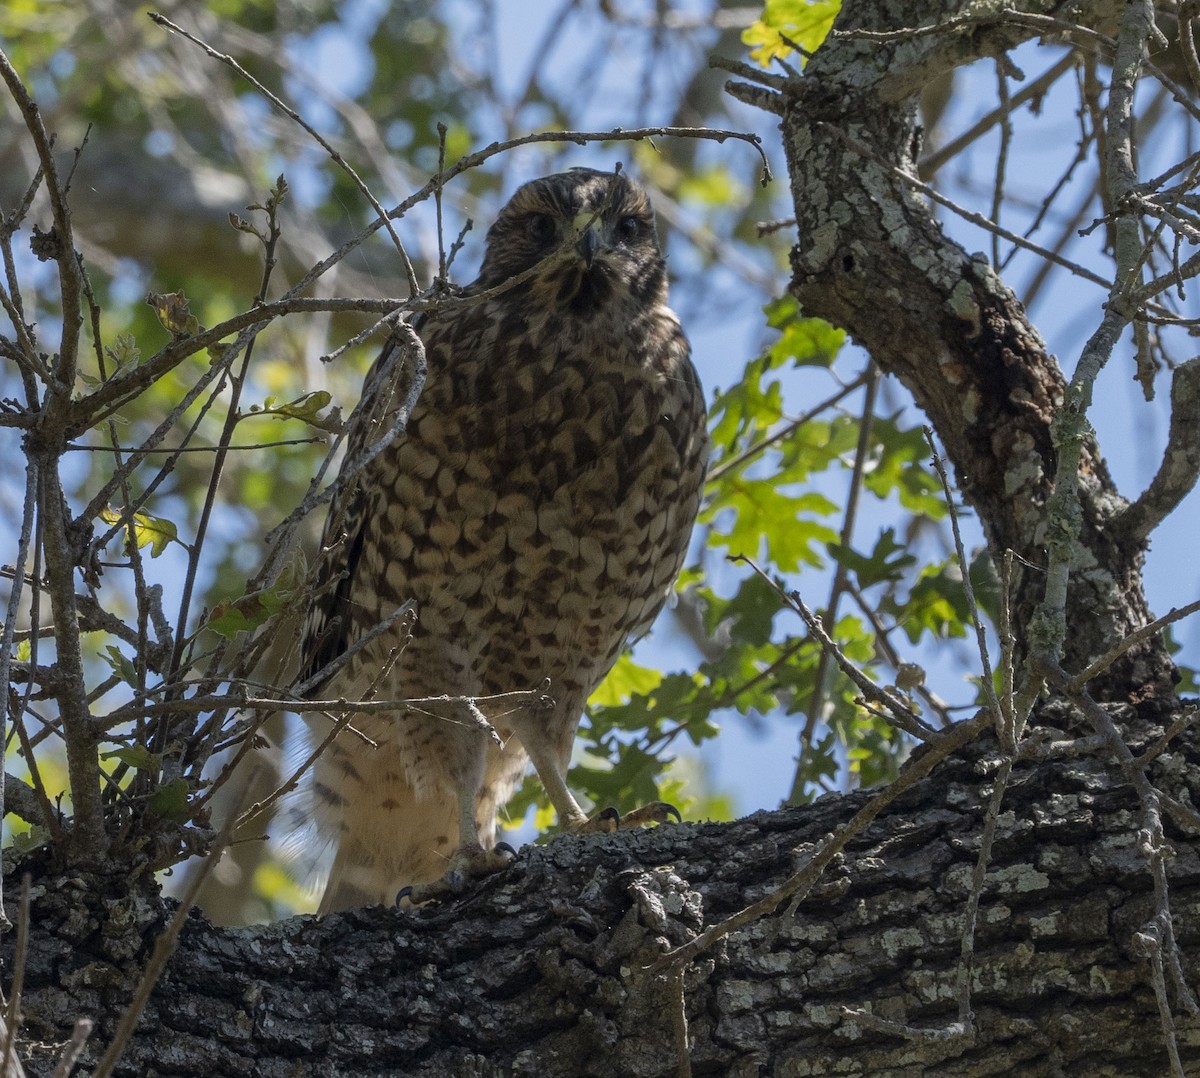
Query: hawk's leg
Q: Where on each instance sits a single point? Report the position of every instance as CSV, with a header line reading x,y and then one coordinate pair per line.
x,y
572,818
469,860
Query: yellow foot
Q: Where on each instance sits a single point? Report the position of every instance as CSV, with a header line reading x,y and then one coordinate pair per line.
x,y
608,820
468,863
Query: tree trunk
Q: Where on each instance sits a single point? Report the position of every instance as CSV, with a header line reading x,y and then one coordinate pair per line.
x,y
872,259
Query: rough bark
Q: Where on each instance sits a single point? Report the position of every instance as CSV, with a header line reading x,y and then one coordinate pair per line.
x,y
540,969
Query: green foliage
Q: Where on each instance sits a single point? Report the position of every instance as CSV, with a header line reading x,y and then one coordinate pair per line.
x,y
247,612
144,530
138,757
886,562
169,801
120,665
307,409
787,25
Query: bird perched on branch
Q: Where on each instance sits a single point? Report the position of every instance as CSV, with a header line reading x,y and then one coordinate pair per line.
x,y
536,508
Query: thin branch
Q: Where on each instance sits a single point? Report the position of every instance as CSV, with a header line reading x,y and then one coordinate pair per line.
x,y
292,114
237,383
902,715
679,1023
822,679
1007,734
1152,843
1159,746
512,701
930,164
88,837
967,215
10,1065
74,1048
70,289
1136,637
11,614
111,396
788,428
1070,427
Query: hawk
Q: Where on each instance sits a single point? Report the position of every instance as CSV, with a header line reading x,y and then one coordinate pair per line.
x,y
537,508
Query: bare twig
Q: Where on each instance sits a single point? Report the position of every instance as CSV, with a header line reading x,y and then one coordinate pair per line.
x,y
70,287
788,428
1034,89
1004,728
902,715
292,114
1070,428
822,678
74,1048
237,382
1181,723
11,614
679,1023
1136,637
1152,844
1180,466
967,215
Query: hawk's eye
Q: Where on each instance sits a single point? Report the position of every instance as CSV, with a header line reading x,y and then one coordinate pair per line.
x,y
541,228
627,228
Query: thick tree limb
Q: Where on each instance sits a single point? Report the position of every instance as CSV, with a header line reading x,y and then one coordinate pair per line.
x,y
871,258
543,966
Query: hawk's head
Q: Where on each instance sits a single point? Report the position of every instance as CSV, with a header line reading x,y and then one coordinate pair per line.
x,y
590,233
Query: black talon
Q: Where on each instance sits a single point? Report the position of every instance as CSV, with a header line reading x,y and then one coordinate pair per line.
x,y
610,813
402,894
673,811
504,847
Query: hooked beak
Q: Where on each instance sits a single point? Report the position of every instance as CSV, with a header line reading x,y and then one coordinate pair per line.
x,y
587,245
588,242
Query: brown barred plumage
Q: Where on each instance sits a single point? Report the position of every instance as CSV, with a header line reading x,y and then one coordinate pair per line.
x,y
537,507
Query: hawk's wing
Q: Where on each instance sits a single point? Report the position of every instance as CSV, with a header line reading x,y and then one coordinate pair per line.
x,y
378,420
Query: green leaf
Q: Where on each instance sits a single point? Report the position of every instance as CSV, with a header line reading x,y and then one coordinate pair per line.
x,y
879,565
936,604
170,801
899,467
785,23
807,342
123,352
138,757
247,612
750,615
306,408
122,667
757,518
173,312
714,187
625,680
155,532
34,838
